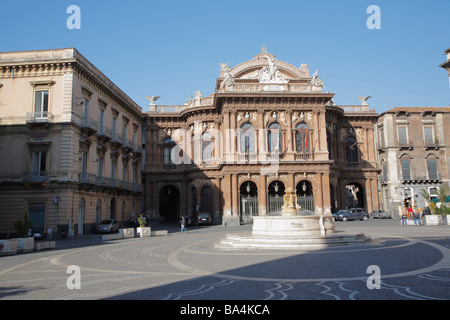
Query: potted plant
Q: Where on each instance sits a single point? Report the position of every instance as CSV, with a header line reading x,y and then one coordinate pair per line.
x,y
438,209
25,241
143,231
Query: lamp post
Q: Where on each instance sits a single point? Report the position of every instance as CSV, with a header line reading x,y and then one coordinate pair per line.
x,y
56,203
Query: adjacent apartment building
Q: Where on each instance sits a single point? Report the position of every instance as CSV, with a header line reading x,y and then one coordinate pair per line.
x,y
413,155
446,64
70,142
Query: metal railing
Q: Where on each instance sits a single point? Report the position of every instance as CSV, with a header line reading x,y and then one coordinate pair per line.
x,y
39,117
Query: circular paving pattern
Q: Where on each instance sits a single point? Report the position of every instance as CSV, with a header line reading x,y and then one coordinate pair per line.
x,y
189,266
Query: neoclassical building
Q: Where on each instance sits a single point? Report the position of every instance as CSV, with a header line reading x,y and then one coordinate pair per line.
x,y
70,142
268,126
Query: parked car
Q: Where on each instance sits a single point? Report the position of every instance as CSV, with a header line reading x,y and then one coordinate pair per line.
x,y
204,218
354,214
380,214
108,226
339,213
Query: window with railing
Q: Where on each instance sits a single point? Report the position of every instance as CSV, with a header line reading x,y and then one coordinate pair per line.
x,y
102,121
41,99
432,169
247,138
38,164
428,135
114,128
274,138
402,135
207,147
85,116
406,170
351,149
169,144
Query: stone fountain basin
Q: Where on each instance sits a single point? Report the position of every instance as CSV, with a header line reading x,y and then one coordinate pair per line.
x,y
292,226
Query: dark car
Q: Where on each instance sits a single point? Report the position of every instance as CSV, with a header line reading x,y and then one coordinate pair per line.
x,y
108,226
380,214
204,218
354,214
337,215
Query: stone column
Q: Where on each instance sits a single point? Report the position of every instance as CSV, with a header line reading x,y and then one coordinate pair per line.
x,y
262,195
289,138
318,197
234,195
226,185
326,199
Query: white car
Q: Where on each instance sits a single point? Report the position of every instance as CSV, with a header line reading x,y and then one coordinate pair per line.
x,y
108,226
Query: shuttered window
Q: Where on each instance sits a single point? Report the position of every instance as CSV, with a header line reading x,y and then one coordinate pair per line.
x,y
406,173
432,172
402,135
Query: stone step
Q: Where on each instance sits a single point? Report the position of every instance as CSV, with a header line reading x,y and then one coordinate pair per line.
x,y
265,242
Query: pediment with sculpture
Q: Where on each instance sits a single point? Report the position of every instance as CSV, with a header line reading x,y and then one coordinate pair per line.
x,y
266,73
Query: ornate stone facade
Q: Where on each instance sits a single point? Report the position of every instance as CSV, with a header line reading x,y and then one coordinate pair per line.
x,y
268,126
70,142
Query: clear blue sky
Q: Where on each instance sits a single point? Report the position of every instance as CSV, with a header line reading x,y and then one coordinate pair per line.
x,y
173,48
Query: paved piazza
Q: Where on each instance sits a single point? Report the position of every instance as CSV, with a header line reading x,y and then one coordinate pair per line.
x,y
414,263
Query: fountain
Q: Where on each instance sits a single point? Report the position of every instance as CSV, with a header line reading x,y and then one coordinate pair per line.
x,y
291,228
292,221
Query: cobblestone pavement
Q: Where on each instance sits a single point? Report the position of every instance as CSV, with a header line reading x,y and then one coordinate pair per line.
x,y
413,261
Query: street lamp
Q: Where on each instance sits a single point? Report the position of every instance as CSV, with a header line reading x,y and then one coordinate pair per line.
x,y
56,203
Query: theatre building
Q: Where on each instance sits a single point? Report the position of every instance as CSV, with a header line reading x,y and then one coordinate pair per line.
x,y
267,127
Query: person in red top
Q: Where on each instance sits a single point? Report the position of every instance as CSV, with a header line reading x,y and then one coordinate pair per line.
x,y
410,212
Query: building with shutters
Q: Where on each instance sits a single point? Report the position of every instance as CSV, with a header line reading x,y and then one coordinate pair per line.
x,y
70,144
413,155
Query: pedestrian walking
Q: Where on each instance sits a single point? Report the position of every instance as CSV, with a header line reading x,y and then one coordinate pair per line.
x,y
183,224
416,216
404,216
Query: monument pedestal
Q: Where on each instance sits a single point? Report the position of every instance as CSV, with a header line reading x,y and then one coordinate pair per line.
x,y
288,226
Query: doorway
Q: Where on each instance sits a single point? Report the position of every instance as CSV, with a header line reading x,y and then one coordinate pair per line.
x,y
169,203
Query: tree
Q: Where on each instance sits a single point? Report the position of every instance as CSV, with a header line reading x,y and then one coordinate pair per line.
x,y
22,227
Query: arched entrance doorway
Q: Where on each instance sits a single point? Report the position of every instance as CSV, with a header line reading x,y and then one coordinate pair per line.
x,y
305,195
112,209
169,203
354,196
207,201
276,192
249,201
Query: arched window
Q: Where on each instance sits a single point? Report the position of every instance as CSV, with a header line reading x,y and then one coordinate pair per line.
x,y
274,138
302,143
405,167
351,149
432,168
207,147
247,138
98,211
169,144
